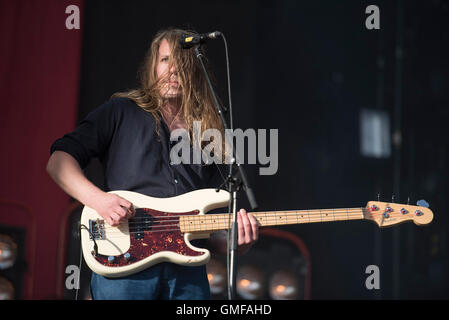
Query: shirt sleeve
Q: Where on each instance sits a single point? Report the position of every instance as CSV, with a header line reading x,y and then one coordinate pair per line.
x,y
91,137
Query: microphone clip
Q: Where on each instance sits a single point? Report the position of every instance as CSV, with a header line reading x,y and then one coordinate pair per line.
x,y
188,40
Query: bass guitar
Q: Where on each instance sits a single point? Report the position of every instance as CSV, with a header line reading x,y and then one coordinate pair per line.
x,y
162,228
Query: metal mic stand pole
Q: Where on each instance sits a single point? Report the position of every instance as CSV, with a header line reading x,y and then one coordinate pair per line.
x,y
233,186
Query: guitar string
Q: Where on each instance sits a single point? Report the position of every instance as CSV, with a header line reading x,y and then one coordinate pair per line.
x,y
115,232
296,212
219,218
261,212
134,220
212,218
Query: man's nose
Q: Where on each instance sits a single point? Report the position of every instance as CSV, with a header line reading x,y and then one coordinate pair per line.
x,y
173,69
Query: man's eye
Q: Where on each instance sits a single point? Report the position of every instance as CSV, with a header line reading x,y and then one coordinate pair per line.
x,y
164,59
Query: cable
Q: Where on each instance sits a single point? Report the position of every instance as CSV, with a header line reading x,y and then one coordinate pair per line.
x,y
81,257
93,238
228,71
79,274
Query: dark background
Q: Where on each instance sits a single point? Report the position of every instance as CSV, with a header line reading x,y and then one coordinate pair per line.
x,y
307,68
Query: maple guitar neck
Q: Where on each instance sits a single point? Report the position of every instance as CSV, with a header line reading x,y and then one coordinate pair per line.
x,y
222,221
382,213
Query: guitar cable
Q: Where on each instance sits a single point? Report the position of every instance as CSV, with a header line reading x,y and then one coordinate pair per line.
x,y
93,238
81,257
79,274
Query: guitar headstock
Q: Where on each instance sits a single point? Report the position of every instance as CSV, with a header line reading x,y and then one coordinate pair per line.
x,y
387,214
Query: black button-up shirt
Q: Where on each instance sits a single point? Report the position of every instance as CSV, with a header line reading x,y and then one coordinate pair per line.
x,y
134,157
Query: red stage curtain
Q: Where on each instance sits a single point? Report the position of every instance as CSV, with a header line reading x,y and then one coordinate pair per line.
x,y
39,82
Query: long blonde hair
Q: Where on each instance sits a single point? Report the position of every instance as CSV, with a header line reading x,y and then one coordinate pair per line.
x,y
197,103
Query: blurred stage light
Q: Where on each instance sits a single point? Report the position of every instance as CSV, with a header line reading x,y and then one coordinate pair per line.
x,y
8,252
216,274
6,289
17,231
250,282
277,267
284,285
375,134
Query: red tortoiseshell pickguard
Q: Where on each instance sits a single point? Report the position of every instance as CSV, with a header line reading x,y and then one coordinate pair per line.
x,y
152,242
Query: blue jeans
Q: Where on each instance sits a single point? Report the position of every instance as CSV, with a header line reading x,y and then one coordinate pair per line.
x,y
162,281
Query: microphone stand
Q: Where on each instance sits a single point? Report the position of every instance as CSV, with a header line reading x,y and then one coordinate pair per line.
x,y
233,185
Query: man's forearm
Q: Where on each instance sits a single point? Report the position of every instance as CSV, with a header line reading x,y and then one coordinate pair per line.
x,y
68,175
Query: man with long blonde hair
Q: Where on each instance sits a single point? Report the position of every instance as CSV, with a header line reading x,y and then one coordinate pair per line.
x,y
130,134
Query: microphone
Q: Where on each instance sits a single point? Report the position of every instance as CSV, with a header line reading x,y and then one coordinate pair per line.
x,y
188,41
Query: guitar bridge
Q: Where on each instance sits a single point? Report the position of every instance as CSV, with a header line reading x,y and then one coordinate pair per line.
x,y
96,228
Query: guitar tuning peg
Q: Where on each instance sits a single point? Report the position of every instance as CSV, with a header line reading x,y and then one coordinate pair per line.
x,y
408,200
422,203
378,197
392,198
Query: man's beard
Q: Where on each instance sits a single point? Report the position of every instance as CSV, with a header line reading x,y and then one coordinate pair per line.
x,y
171,92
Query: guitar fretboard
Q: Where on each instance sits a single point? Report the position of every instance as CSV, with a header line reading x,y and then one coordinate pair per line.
x,y
222,221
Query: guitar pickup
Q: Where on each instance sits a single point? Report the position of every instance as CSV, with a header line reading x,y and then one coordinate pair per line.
x,y
96,228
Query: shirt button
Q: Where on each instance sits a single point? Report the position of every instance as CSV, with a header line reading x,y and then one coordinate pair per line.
x,y
176,180
171,163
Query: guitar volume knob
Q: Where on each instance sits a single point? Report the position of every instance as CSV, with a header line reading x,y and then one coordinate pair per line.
x,y
111,259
